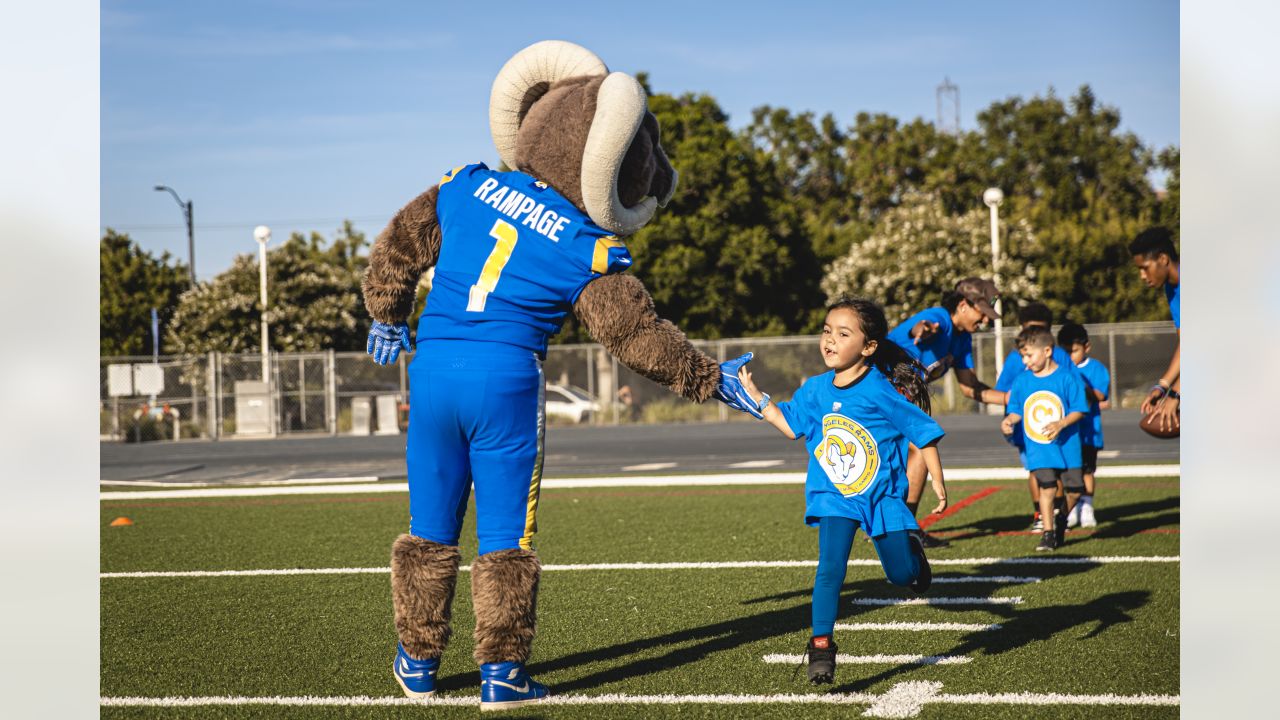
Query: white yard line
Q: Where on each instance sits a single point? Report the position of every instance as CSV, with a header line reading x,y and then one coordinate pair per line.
x,y
732,479
745,564
646,467
904,699
919,626
751,464
271,483
940,600
784,659
1001,579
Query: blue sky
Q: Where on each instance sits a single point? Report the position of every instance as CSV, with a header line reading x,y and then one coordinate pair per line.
x,y
299,113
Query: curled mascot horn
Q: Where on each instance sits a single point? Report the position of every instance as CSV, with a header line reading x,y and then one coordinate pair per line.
x,y
620,109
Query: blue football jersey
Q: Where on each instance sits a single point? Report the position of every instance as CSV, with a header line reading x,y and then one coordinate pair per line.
x,y
948,347
1095,376
1010,371
1173,293
856,437
514,257
1042,400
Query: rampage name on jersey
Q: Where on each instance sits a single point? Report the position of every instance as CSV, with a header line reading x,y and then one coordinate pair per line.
x,y
515,204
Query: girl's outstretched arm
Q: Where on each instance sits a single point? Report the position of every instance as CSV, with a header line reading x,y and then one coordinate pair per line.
x,y
772,414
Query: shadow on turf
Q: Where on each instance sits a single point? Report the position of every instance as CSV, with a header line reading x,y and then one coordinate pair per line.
x,y
694,644
1021,627
1114,521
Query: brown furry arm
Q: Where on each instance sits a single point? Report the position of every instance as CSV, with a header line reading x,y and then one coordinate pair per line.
x,y
618,312
405,249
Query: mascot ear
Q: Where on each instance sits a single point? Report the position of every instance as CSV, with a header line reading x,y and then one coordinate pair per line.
x,y
526,77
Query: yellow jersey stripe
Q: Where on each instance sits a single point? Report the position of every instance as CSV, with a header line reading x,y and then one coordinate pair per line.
x,y
450,175
600,259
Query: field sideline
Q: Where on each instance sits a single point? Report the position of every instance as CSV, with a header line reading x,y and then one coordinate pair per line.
x,y
655,601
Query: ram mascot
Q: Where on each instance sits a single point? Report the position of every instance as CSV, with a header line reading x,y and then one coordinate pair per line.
x,y
514,252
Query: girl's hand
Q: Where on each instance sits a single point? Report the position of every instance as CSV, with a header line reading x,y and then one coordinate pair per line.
x,y
745,376
1052,429
1006,426
942,505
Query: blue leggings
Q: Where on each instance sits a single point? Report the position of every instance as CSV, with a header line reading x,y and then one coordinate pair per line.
x,y
835,540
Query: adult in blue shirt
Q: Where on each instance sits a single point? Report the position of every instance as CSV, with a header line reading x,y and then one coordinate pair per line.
x,y
1157,261
940,338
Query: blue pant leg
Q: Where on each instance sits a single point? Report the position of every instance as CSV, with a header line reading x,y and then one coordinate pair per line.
x,y
835,540
897,558
436,456
506,453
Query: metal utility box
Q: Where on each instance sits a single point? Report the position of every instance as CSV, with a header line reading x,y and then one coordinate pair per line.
x,y
388,415
253,408
361,415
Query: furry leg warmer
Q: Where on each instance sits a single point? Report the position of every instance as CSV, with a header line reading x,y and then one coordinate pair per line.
x,y
504,591
423,577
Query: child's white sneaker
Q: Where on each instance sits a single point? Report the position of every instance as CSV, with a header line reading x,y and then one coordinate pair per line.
x,y
1073,518
1086,515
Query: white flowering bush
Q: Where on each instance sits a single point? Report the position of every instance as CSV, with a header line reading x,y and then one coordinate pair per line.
x,y
918,252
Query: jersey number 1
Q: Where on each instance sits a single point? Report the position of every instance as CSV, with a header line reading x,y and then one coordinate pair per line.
x,y
506,235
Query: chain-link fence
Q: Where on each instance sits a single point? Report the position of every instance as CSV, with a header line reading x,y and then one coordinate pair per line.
x,y
224,396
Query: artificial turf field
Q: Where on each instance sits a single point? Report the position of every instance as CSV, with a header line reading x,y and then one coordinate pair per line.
x,y
1088,631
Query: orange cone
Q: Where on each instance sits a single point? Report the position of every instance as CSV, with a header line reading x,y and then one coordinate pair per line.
x,y
121,522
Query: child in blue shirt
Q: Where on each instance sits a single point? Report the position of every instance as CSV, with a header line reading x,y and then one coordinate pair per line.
x,y
1030,315
1049,401
1074,338
857,420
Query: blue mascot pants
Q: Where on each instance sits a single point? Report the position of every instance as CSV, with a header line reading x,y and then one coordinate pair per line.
x,y
475,419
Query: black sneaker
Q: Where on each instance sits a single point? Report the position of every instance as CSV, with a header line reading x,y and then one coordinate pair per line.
x,y
933,541
925,577
1048,541
822,660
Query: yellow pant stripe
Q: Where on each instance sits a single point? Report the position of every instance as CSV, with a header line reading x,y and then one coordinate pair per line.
x,y
535,482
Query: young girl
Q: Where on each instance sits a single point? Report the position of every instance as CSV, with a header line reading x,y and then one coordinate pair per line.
x,y
857,419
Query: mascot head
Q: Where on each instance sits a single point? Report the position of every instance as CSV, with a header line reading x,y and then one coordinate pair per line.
x,y
558,114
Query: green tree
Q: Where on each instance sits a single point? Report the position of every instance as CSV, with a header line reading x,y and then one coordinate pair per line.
x,y
919,250
726,257
313,294
131,283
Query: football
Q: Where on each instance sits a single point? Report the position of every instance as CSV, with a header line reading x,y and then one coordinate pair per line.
x,y
1150,424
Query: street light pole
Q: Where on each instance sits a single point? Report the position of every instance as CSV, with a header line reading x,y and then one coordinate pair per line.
x,y
188,212
262,234
993,197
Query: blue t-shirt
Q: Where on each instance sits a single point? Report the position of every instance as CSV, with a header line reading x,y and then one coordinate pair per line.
x,y
1171,293
857,439
514,256
1013,367
1096,377
1042,400
946,349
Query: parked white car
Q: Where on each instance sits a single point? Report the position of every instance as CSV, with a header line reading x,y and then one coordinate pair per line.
x,y
570,403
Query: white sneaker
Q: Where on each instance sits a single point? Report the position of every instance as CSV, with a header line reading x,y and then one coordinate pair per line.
x,y
1073,518
1086,515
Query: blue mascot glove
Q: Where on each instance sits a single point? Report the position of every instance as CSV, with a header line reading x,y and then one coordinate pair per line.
x,y
385,341
730,391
